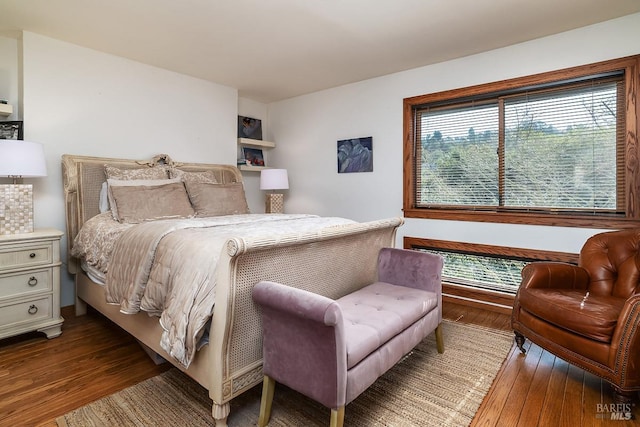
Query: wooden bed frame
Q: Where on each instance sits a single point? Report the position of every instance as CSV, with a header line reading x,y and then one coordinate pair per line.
x,y
333,263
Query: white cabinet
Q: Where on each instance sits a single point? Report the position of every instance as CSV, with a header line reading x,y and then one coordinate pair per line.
x,y
30,283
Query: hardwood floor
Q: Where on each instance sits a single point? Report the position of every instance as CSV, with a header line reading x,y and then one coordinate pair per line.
x,y
538,389
42,379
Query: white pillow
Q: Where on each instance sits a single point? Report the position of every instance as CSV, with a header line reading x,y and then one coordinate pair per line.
x,y
104,198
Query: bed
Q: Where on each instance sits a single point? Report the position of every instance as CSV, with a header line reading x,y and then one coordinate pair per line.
x,y
332,260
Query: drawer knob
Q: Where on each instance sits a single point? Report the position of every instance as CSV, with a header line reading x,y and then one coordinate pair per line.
x,y
33,281
32,309
32,255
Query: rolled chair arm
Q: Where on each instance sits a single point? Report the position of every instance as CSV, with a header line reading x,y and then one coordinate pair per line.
x,y
411,268
306,332
625,343
554,275
630,309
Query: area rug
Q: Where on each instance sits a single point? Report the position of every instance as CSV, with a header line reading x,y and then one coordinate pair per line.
x,y
424,389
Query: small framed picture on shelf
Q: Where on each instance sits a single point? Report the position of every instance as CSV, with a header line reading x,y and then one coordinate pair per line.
x,y
11,130
249,128
253,156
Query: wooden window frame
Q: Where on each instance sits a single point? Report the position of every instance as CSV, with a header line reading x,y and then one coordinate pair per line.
x,y
631,202
501,302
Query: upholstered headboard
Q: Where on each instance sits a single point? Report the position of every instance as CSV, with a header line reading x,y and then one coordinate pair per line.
x,y
83,177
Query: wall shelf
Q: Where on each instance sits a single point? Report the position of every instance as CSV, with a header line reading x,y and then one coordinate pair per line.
x,y
249,168
6,110
256,143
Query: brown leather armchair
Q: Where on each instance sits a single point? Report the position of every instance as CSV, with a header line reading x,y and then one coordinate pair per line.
x,y
589,314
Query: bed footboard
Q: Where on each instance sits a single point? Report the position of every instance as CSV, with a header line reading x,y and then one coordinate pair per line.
x,y
334,262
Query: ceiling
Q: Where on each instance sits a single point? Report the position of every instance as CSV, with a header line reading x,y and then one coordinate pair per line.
x,y
276,49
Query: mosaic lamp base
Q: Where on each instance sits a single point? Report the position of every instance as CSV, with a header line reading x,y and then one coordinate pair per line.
x,y
16,209
274,203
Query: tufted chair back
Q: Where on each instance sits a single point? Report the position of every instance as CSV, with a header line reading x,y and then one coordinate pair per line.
x,y
613,262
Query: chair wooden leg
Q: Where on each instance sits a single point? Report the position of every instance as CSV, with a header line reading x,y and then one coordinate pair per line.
x,y
337,417
439,339
623,397
520,341
268,387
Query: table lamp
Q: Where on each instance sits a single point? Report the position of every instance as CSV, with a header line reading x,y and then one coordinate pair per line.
x,y
19,159
274,179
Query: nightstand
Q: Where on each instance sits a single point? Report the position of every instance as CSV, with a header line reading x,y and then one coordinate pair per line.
x,y
30,283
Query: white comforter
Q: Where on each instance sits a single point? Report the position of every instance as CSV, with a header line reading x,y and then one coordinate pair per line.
x,y
167,268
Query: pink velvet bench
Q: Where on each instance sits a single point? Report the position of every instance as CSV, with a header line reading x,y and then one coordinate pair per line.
x,y
333,350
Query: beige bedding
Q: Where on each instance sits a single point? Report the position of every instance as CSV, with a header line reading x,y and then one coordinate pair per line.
x,y
94,243
167,267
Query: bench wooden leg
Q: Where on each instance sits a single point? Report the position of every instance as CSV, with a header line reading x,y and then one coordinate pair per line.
x,y
268,387
439,339
337,417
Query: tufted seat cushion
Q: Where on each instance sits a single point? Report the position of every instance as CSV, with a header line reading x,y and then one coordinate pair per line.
x,y
376,313
595,319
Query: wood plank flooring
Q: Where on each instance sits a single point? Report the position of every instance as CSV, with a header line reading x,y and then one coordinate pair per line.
x,y
42,379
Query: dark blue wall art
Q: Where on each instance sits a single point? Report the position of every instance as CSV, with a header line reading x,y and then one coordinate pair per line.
x,y
355,155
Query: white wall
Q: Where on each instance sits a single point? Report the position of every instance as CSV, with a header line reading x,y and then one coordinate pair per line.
x,y
9,75
80,101
306,129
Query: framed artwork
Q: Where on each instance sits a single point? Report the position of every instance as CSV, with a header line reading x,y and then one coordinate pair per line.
x,y
355,155
11,130
253,156
249,128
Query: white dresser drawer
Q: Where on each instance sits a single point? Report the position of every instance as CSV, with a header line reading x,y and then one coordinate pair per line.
x,y
26,312
30,283
21,256
25,283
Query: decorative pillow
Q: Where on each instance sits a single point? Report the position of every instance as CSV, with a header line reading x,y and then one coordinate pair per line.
x,y
204,176
135,201
156,172
217,199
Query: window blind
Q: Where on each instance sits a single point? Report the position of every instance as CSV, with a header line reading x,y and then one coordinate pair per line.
x,y
554,148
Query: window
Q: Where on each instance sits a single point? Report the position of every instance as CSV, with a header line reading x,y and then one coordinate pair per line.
x,y
483,273
558,148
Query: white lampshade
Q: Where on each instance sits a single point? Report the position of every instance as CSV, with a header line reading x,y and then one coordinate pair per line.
x,y
22,159
274,179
